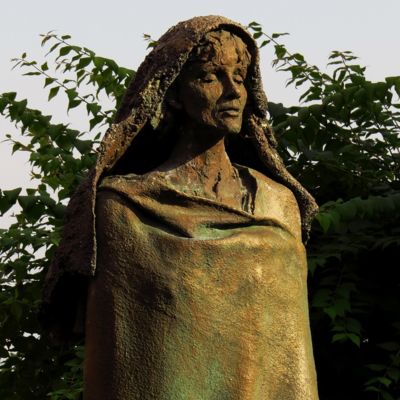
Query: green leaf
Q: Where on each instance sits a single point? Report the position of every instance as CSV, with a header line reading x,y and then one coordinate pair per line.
x,y
390,346
324,220
27,202
264,43
32,73
12,195
95,121
84,146
54,47
322,298
3,104
331,311
385,381
280,51
339,337
298,57
73,103
10,96
372,388
93,108
65,50
53,92
99,62
8,199
71,93
394,374
83,62
277,35
354,338
376,367
387,396
48,81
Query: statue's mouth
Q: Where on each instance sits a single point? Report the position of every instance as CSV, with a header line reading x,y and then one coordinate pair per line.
x,y
230,110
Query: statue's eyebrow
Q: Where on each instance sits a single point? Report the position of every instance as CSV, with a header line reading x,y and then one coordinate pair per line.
x,y
241,68
202,66
207,66
197,64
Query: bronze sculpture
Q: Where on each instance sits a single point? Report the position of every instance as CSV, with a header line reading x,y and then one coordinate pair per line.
x,y
190,263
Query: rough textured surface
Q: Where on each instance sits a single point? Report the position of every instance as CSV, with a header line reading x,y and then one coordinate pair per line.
x,y
197,300
269,355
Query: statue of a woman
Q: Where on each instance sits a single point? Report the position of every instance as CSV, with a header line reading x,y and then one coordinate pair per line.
x,y
184,244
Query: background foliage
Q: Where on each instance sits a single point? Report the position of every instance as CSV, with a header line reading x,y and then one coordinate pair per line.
x,y
341,141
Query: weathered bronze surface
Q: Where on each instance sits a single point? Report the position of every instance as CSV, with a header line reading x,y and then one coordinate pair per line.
x,y
193,244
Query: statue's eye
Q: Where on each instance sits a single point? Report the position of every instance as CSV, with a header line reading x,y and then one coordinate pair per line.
x,y
208,78
238,79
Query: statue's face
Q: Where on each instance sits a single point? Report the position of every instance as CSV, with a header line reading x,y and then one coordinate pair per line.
x,y
212,91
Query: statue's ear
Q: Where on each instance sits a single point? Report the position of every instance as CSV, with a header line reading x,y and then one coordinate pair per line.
x,y
172,98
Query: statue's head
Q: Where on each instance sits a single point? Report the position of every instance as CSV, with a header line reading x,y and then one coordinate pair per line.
x,y
203,73
211,89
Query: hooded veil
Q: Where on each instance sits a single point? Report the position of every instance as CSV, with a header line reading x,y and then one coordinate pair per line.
x,y
139,128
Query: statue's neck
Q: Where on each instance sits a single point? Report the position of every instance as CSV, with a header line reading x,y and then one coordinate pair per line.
x,y
202,151
200,165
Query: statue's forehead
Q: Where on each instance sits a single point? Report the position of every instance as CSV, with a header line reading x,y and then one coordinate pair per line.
x,y
215,63
219,49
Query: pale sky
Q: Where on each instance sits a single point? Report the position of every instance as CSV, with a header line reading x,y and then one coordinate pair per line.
x,y
114,29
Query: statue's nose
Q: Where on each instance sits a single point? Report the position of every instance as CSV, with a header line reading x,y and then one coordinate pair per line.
x,y
231,88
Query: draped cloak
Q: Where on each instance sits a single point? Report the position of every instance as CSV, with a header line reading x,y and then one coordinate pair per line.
x,y
195,299
185,297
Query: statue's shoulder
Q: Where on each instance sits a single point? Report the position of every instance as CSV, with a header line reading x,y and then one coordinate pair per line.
x,y
268,185
276,200
117,193
114,187
127,182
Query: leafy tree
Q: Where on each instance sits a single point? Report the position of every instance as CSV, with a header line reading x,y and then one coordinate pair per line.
x,y
59,157
341,141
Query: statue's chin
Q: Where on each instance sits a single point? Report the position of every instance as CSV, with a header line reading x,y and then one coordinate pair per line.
x,y
219,128
227,125
232,123
232,129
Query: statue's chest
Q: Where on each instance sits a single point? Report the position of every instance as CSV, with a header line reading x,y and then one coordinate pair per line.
x,y
206,295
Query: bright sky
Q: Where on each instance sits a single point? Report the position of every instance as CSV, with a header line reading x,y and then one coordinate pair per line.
x,y
114,29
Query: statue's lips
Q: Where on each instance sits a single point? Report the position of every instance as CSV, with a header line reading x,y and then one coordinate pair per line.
x,y
230,111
